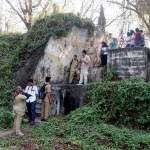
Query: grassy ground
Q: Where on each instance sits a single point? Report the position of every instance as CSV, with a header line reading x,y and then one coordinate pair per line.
x,y
62,133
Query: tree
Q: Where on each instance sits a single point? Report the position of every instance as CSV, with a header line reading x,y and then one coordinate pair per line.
x,y
140,7
102,19
25,9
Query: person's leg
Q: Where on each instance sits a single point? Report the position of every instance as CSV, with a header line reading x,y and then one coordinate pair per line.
x,y
47,108
71,76
28,104
33,108
81,77
85,72
18,123
43,109
78,74
102,60
15,119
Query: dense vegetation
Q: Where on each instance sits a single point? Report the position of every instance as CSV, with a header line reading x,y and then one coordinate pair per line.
x,y
113,118
16,49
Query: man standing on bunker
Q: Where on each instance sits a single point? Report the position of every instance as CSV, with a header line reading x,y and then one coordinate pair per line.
x,y
85,63
31,101
91,51
74,68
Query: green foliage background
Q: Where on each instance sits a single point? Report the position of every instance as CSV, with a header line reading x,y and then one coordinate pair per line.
x,y
16,49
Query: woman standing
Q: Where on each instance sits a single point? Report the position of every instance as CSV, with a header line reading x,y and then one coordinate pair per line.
x,y
19,109
128,40
103,53
132,38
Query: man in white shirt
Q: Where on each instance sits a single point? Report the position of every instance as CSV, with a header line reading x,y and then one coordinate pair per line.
x,y
31,101
85,63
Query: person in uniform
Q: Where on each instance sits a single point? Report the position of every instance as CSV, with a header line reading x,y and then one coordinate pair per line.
x,y
91,51
85,63
73,68
19,109
46,101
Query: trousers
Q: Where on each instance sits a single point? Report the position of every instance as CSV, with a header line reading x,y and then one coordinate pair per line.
x,y
31,107
83,76
18,118
104,60
72,75
45,108
92,57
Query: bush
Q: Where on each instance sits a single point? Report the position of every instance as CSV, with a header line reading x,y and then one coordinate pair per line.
x,y
120,102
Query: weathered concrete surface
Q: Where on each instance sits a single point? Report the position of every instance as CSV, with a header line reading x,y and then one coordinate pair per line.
x,y
54,57
66,98
129,62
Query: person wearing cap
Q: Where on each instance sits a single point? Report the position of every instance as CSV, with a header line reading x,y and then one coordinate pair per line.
x,y
31,101
85,63
47,101
91,51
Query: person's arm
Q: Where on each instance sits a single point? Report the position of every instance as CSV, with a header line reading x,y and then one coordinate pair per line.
x,y
49,97
87,60
36,93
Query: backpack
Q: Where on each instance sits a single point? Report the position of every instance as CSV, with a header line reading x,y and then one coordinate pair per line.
x,y
42,93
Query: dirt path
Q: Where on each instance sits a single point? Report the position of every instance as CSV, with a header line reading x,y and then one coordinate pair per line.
x,y
25,130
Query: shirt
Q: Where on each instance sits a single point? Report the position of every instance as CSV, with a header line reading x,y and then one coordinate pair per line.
x,y
47,89
74,65
91,50
137,37
105,49
132,39
86,63
32,90
128,40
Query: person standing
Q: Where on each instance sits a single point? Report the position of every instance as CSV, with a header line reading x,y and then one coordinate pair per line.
x,y
113,45
128,39
73,67
19,109
137,39
142,42
91,51
47,100
31,101
132,33
85,63
103,53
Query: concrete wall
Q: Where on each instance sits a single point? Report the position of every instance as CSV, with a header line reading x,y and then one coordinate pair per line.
x,y
54,57
129,62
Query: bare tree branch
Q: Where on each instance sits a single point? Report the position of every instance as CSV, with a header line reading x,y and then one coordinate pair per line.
x,y
36,5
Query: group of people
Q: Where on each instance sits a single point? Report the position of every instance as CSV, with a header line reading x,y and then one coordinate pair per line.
x,y
89,59
27,99
135,39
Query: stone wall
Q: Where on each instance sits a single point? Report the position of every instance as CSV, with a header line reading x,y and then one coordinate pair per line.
x,y
54,57
129,62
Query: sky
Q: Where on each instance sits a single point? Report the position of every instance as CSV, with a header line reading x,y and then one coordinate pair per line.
x,y
111,12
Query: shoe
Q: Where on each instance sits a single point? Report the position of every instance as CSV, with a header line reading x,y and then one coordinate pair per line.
x,y
19,134
32,123
42,119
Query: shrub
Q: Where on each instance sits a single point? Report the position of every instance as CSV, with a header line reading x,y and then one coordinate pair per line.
x,y
120,102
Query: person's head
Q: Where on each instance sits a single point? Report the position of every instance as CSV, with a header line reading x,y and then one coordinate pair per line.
x,y
128,33
141,31
137,30
83,52
75,57
91,43
30,82
48,79
104,44
18,89
132,32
